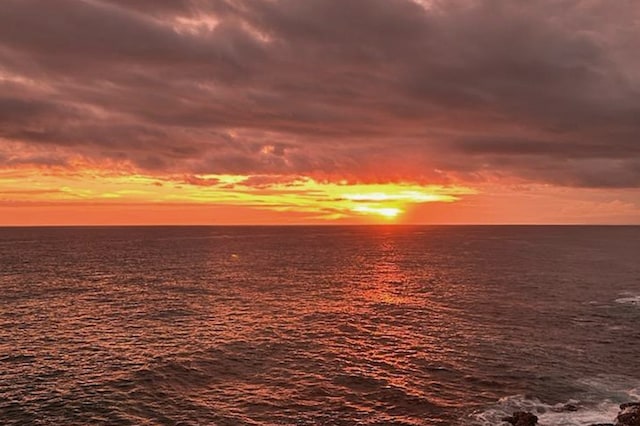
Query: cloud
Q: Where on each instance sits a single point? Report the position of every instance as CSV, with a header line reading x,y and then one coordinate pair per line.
x,y
363,90
200,181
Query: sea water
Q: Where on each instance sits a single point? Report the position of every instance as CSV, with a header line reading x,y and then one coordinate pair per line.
x,y
379,325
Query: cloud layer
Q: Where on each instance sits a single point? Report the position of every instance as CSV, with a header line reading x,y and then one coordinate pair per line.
x,y
365,90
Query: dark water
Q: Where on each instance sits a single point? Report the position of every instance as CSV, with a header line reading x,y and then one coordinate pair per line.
x,y
317,325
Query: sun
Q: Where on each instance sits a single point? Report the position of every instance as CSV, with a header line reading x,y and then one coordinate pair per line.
x,y
389,212
386,212
388,201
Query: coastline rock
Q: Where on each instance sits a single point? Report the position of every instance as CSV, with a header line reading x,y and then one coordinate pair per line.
x,y
629,404
629,415
521,418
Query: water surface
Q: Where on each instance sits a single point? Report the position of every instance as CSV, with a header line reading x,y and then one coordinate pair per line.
x,y
317,325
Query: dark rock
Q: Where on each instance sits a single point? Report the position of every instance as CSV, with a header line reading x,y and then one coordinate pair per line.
x,y
630,414
522,418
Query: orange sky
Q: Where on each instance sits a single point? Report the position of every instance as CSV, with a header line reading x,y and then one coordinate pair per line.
x,y
89,196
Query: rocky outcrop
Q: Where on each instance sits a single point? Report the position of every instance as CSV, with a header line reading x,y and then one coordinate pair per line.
x,y
521,418
629,414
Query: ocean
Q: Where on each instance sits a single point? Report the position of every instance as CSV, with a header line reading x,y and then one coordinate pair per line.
x,y
318,325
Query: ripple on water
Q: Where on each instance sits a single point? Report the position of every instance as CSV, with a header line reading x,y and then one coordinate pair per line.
x,y
334,326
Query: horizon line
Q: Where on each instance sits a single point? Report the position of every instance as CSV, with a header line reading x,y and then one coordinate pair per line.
x,y
336,225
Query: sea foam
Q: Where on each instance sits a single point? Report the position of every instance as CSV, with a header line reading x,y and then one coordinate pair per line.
x,y
570,413
629,298
600,403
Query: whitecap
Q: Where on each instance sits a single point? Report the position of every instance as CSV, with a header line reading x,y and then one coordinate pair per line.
x,y
570,413
629,299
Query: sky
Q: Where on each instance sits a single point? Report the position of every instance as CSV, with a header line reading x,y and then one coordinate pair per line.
x,y
319,112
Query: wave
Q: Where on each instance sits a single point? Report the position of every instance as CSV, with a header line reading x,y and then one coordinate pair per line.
x,y
600,404
629,298
570,413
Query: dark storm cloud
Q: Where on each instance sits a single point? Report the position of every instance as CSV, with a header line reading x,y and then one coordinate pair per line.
x,y
362,89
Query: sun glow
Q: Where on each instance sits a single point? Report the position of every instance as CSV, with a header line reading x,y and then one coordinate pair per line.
x,y
387,212
228,198
402,195
389,200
